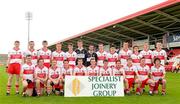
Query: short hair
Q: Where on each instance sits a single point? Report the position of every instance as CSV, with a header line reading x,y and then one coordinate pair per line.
x,y
135,46
16,41
118,61
28,55
105,61
101,44
112,45
91,45
157,59
125,42
158,42
92,59
40,60
78,59
70,44
65,60
31,41
142,58
59,43
129,59
79,40
44,41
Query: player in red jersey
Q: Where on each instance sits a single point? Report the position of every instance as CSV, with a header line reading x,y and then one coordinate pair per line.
x,y
147,54
45,54
59,55
41,76
15,59
105,70
112,56
54,78
160,53
158,75
136,56
80,69
31,51
93,69
101,55
143,72
130,77
125,53
71,55
28,76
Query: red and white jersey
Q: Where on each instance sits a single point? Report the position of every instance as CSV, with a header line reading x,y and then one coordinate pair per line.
x,y
130,72
15,56
157,73
71,57
112,58
66,72
41,72
148,56
105,71
124,55
143,72
45,54
161,55
59,57
118,71
101,56
34,55
28,71
136,59
93,71
54,73
80,71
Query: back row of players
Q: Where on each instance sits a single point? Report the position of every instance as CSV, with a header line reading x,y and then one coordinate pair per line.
x,y
52,67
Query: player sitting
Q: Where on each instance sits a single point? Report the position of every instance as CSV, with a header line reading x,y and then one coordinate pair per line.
x,y
54,78
28,76
93,69
80,69
143,72
130,77
158,75
105,70
41,75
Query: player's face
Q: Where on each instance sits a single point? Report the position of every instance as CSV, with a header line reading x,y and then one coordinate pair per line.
x,y
118,64
93,62
146,46
157,62
16,44
125,45
136,49
105,63
45,44
54,63
112,50
66,64
31,44
58,46
101,47
159,45
28,59
129,62
80,44
91,48
70,47
41,62
80,62
142,62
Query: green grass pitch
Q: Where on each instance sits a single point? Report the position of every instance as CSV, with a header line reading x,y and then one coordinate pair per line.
x,y
172,97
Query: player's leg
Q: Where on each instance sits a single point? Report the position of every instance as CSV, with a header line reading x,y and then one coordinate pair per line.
x,y
50,84
38,87
151,84
17,83
163,86
126,86
155,91
25,85
29,91
138,84
9,83
61,85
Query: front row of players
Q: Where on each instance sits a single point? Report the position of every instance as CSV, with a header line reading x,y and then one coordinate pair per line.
x,y
41,79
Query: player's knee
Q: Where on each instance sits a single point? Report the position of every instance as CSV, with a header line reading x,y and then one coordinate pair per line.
x,y
25,84
164,81
37,81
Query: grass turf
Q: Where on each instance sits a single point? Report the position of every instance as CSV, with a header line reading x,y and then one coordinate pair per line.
x,y
173,95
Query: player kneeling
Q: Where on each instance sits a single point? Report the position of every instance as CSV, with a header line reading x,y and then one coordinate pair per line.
x,y
53,82
28,77
41,75
142,73
158,75
130,77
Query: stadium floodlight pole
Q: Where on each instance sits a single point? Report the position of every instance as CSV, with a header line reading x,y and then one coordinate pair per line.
x,y
28,16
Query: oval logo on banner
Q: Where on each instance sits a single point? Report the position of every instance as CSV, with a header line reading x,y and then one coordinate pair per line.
x,y
75,86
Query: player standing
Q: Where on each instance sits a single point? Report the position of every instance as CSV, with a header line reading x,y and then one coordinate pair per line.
x,y
28,76
158,75
124,53
41,76
45,54
147,54
112,56
54,78
160,53
71,55
15,59
93,69
101,54
58,55
136,56
31,51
